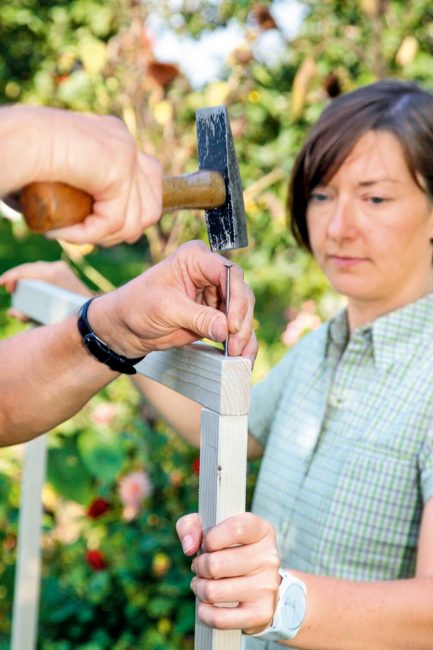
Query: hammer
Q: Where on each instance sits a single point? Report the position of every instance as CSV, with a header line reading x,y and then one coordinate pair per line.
x,y
216,187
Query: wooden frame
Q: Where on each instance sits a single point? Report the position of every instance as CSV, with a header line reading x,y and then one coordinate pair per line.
x,y
220,384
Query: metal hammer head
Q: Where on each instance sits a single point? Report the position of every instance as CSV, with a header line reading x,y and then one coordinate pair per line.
x,y
226,225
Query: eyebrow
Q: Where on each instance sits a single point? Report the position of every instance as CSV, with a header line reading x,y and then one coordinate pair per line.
x,y
377,180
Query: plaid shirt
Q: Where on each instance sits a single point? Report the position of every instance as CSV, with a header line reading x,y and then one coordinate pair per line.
x,y
347,422
348,427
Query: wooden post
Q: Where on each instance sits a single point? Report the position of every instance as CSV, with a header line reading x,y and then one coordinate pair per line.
x,y
28,566
220,384
223,455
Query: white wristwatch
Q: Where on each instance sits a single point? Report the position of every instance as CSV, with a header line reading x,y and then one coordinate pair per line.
x,y
290,612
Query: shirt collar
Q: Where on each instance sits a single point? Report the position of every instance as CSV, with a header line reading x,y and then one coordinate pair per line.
x,y
393,335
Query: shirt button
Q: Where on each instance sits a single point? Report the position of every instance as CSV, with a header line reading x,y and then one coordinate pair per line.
x,y
336,401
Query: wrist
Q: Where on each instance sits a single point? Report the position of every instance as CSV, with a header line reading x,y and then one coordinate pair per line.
x,y
105,318
290,611
100,349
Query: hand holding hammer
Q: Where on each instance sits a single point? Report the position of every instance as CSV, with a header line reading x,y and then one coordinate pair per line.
x,y
215,187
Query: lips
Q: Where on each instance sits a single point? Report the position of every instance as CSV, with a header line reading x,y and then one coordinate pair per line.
x,y
346,261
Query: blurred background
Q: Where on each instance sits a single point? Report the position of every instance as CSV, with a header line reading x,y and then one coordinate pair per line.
x,y
114,575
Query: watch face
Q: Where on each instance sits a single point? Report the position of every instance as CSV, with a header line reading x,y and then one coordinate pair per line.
x,y
293,606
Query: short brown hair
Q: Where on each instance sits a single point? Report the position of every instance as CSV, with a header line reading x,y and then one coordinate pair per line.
x,y
398,107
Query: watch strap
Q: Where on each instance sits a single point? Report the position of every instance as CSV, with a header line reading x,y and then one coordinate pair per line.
x,y
279,630
100,350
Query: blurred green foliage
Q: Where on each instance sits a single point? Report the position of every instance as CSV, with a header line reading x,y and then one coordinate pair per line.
x,y
114,580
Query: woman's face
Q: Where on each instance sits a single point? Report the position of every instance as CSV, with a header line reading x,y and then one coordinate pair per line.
x,y
370,228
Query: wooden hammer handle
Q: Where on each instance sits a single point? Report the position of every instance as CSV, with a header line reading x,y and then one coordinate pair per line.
x,y
55,205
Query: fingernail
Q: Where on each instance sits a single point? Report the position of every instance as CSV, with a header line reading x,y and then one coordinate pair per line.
x,y
235,346
187,543
237,324
215,332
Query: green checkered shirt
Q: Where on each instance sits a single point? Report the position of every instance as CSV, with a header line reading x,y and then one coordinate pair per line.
x,y
347,422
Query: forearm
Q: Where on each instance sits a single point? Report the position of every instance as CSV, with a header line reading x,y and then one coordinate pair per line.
x,y
386,615
50,376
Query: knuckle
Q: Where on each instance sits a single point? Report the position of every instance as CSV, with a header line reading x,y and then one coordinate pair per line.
x,y
213,565
210,591
218,618
273,560
264,613
239,528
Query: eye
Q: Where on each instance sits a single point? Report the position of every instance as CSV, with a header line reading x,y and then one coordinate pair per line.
x,y
376,200
318,197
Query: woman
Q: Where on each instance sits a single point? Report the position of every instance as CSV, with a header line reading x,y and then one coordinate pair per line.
x,y
338,553
346,418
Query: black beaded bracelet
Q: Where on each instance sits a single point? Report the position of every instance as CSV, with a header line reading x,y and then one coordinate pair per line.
x,y
99,349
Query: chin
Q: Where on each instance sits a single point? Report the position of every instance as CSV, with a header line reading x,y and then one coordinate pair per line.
x,y
350,289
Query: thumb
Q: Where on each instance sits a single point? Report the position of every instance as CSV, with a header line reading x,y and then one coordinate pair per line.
x,y
204,321
189,531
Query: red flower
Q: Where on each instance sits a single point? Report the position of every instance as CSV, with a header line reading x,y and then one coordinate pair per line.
x,y
97,508
196,466
96,560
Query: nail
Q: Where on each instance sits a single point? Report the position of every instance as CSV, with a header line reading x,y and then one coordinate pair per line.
x,y
187,543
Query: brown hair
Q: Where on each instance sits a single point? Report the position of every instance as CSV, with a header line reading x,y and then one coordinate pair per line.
x,y
398,107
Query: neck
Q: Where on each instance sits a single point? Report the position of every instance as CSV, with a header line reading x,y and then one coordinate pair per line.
x,y
360,312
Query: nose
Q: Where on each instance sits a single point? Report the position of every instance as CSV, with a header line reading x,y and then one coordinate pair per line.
x,y
342,221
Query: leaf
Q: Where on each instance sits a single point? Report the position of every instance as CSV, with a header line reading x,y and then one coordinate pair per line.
x,y
67,474
102,454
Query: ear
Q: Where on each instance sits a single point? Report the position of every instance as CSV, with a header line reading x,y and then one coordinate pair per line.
x,y
430,217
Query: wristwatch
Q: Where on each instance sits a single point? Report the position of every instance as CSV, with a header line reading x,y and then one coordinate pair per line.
x,y
290,612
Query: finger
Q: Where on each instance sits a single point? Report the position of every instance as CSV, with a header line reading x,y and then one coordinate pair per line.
x,y
14,313
8,282
241,298
204,267
149,181
246,528
107,218
142,207
244,589
246,349
28,270
189,531
247,616
235,561
130,229
203,321
244,336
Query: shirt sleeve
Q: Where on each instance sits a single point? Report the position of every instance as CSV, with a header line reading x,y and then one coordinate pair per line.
x,y
265,397
426,467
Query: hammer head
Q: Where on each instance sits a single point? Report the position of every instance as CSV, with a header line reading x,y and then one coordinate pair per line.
x,y
226,224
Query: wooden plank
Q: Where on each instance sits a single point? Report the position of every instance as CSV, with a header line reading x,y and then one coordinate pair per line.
x,y
202,373
28,563
222,486
220,384
45,303
198,371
